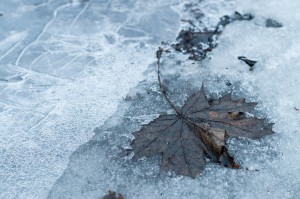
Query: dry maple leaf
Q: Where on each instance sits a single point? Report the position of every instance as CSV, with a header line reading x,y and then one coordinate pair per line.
x,y
198,130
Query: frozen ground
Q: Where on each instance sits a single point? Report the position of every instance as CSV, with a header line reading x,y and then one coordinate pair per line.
x,y
64,68
68,73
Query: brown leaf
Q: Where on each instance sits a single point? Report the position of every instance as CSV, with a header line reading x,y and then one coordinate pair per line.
x,y
200,129
112,195
198,43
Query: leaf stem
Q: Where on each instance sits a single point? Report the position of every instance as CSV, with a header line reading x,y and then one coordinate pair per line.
x,y
161,86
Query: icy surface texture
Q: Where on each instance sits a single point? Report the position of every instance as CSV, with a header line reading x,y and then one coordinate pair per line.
x,y
270,165
64,68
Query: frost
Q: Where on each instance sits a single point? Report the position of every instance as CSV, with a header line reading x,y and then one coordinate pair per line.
x,y
96,166
65,68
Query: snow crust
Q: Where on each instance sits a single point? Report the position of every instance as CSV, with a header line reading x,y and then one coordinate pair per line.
x,y
72,73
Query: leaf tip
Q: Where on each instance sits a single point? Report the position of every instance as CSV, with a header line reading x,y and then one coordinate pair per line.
x,y
269,128
235,165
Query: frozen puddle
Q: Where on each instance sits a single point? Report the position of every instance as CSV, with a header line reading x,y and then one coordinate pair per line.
x,y
72,71
64,68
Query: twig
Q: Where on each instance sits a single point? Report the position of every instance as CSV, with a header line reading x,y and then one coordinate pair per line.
x,y
163,91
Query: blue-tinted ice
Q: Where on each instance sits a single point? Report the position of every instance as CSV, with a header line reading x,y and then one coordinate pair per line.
x,y
77,77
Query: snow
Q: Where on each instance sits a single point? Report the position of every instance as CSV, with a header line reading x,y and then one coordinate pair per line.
x,y
76,82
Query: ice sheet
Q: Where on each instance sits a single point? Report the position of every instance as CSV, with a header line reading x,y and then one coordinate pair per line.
x,y
90,64
64,68
270,165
